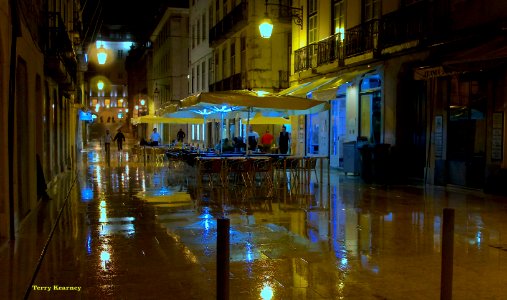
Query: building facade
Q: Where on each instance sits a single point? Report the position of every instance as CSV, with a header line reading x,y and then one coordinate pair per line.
x,y
107,94
41,97
398,73
201,63
168,78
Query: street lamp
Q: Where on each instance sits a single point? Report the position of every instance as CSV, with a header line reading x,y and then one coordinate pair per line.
x,y
100,85
101,55
266,26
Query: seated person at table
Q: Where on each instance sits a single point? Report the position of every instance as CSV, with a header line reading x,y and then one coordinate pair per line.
x,y
143,142
238,144
227,145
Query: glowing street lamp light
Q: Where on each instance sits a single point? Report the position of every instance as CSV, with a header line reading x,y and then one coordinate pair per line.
x,y
266,26
142,102
100,85
101,55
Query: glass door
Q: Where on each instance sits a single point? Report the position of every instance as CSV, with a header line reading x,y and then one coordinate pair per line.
x,y
338,132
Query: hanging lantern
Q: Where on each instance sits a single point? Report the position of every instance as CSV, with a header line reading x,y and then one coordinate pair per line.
x,y
266,28
101,55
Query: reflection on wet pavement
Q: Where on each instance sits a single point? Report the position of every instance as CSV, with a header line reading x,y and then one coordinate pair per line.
x,y
135,231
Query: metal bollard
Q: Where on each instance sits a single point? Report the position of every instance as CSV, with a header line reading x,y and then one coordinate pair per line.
x,y
447,254
223,254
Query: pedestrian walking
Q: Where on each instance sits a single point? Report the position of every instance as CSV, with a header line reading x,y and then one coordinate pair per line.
x,y
119,138
107,142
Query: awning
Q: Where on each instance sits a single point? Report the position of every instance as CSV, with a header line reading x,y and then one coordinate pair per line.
x,y
150,119
303,89
259,119
329,90
243,100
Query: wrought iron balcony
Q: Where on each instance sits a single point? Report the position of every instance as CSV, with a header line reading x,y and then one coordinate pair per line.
x,y
404,25
317,54
60,59
330,50
362,38
305,58
231,23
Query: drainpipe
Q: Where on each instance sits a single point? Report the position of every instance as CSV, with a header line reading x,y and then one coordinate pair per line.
x,y
15,32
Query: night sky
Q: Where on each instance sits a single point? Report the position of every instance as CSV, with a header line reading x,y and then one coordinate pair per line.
x,y
138,16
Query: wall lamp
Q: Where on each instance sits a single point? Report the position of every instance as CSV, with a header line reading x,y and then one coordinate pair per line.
x,y
266,26
101,55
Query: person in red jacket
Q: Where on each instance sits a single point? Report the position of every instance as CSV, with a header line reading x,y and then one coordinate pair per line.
x,y
266,141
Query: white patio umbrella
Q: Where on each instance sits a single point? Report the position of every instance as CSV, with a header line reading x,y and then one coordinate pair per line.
x,y
245,100
260,119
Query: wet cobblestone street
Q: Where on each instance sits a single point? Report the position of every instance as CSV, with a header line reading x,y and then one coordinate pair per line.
x,y
135,231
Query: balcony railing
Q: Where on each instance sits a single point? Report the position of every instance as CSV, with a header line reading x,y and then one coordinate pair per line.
x,y
407,24
57,46
305,58
330,50
362,38
229,24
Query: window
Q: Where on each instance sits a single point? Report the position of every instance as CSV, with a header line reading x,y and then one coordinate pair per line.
x,y
210,71
312,29
193,79
225,8
215,79
243,54
198,77
197,37
120,53
371,10
233,59
217,11
312,6
203,27
193,36
203,81
210,17
339,19
224,62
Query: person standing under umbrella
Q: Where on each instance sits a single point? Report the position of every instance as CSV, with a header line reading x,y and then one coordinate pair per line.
x,y
253,139
284,140
180,135
155,138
